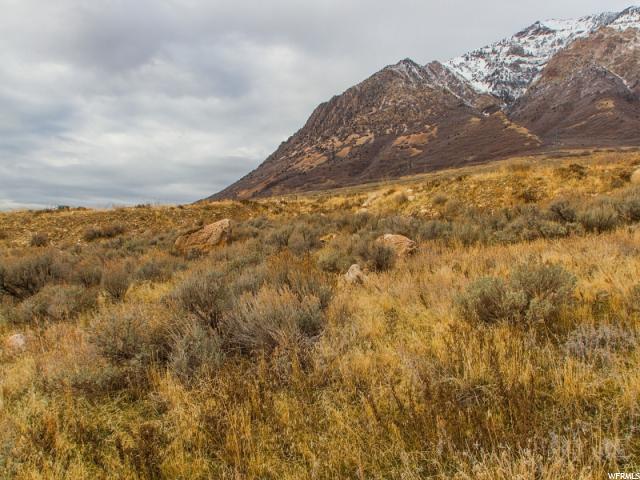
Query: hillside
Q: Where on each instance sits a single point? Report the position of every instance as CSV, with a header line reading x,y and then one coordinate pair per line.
x,y
502,341
490,104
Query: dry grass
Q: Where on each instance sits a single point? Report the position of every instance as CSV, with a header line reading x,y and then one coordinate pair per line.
x,y
257,361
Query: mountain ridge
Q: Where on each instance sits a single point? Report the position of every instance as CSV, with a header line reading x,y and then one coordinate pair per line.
x,y
410,118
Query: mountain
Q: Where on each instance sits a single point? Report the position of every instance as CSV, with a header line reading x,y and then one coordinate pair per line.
x,y
590,90
555,83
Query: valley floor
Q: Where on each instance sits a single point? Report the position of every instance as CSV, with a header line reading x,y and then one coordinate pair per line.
x,y
506,346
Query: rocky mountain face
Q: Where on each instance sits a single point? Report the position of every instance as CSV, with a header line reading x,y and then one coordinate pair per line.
x,y
556,83
588,92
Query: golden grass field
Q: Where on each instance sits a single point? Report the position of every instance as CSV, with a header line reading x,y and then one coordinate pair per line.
x,y
505,347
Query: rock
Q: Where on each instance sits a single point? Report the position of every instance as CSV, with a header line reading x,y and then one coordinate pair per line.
x,y
205,238
400,244
635,177
16,343
411,198
355,275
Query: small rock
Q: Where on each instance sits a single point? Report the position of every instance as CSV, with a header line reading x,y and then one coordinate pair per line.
x,y
400,244
355,275
411,198
16,343
205,238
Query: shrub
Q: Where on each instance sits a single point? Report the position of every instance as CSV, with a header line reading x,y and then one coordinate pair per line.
x,y
484,300
25,276
562,211
303,239
599,218
545,289
132,333
534,293
435,229
334,260
272,318
204,294
159,268
57,302
39,240
116,281
467,233
440,199
107,231
88,272
196,349
529,195
629,206
380,257
279,237
598,344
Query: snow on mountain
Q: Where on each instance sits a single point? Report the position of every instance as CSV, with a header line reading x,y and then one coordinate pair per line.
x,y
506,68
630,18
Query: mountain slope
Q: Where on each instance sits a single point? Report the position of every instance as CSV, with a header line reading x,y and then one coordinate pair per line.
x,y
589,91
507,68
404,119
557,83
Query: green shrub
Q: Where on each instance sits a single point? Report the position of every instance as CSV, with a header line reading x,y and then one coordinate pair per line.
x,y
335,260
57,302
563,211
467,233
629,206
533,294
137,333
270,319
279,237
485,300
159,268
599,218
545,288
204,294
434,229
380,257
196,349
303,239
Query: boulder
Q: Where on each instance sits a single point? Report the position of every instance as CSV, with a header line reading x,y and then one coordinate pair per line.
x,y
205,238
355,275
635,177
16,343
400,244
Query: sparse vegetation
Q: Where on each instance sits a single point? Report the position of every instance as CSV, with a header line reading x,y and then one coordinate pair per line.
x,y
506,345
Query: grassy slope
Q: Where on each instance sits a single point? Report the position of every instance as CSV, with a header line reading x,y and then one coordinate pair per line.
x,y
396,385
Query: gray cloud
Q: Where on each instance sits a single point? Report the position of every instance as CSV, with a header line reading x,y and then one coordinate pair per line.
x,y
118,102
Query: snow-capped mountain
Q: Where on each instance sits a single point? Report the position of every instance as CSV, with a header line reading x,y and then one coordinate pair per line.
x,y
558,84
506,68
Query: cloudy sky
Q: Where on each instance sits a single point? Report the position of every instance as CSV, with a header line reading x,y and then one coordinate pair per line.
x,y
112,102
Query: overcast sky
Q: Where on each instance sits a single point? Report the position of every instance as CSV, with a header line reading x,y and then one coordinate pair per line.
x,y
112,102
